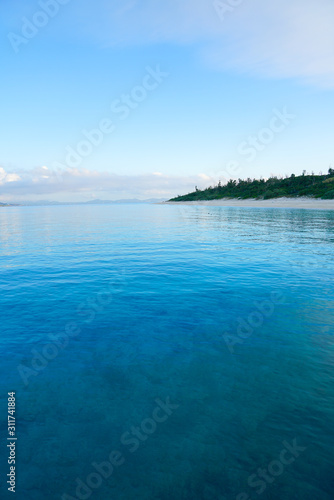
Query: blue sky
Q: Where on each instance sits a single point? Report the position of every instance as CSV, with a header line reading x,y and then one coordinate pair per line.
x,y
209,90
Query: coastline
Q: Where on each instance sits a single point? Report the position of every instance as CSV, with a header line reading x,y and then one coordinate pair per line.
x,y
302,202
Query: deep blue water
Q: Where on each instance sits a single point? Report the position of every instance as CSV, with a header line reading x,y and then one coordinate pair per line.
x,y
197,342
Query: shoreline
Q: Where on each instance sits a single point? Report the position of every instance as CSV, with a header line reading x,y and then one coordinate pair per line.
x,y
302,202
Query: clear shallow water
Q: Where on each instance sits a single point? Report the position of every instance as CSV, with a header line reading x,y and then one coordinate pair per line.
x,y
107,311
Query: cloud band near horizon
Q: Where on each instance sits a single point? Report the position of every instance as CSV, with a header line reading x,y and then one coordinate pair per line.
x,y
42,181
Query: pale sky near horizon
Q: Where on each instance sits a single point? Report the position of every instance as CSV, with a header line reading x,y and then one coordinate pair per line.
x,y
184,93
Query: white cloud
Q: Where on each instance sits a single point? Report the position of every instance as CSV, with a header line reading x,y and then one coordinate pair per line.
x,y
277,38
281,38
45,182
5,178
205,177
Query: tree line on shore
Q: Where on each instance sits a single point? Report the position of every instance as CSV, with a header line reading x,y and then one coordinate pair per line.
x,y
316,186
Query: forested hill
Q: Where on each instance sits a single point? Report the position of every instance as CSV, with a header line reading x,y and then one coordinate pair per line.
x,y
317,186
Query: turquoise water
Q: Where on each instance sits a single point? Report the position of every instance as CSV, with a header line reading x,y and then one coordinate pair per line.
x,y
168,352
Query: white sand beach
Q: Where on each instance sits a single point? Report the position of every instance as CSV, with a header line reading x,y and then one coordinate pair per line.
x,y
302,202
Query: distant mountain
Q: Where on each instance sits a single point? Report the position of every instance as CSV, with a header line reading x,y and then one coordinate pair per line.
x,y
91,202
39,203
125,200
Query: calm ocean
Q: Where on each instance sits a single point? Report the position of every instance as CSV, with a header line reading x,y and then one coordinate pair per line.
x,y
168,352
